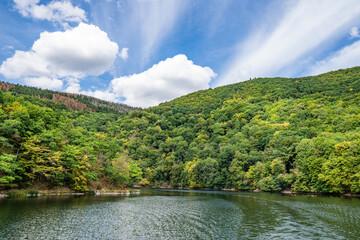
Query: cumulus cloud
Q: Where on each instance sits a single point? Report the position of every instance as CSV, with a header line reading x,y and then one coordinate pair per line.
x,y
78,52
347,57
55,11
106,95
307,27
24,64
84,50
73,86
354,32
164,81
44,82
124,54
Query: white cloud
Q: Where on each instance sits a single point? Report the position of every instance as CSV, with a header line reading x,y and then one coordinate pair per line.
x,y
164,81
73,86
78,52
44,82
8,47
307,28
354,32
153,21
106,95
124,54
347,57
84,50
55,11
24,64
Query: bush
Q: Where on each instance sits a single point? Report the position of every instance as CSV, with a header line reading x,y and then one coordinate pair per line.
x,y
281,181
268,184
92,176
33,193
17,194
144,182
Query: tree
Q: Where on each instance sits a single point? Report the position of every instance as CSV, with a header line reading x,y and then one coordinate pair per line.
x,y
39,161
10,171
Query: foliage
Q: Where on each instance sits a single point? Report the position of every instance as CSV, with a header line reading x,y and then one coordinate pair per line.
x,y
8,170
17,194
267,133
33,193
65,100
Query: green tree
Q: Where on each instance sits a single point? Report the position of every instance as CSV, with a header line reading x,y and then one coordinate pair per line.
x,y
10,171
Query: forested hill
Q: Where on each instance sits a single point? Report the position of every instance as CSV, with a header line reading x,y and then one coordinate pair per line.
x,y
334,83
270,134
77,102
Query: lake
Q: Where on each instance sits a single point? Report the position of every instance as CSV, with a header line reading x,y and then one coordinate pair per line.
x,y
177,214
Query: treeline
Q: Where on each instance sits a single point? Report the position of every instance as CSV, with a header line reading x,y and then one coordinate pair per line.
x,y
270,134
77,102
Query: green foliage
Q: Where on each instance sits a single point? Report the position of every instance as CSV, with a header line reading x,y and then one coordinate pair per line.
x,y
267,133
33,193
118,170
10,170
135,172
1,97
64,100
17,194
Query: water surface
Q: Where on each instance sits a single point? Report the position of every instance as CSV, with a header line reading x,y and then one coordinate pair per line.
x,y
174,214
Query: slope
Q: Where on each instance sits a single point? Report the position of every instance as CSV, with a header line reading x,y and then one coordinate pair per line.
x,y
270,134
78,102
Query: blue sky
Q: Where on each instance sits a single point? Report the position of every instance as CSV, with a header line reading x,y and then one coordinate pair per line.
x,y
143,52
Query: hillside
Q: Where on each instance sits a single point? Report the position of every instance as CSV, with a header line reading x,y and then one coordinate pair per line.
x,y
267,133
77,102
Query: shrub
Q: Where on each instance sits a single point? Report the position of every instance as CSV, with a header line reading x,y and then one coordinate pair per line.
x,y
33,193
17,194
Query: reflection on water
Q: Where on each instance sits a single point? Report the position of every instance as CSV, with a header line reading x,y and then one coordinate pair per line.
x,y
164,214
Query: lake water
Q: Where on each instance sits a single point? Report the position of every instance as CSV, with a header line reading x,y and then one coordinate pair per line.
x,y
175,214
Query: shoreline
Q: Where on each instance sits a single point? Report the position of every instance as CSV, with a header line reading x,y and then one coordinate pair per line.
x,y
47,193
284,192
137,191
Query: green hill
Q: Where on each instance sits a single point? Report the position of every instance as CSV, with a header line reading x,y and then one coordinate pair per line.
x,y
267,133
71,101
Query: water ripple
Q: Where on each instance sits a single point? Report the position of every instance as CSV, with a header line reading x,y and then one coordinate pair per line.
x,y
181,215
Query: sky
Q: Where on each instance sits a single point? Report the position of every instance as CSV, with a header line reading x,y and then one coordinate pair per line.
x,y
144,52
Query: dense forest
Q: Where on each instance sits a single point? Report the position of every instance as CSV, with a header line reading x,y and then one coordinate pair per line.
x,y
269,134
